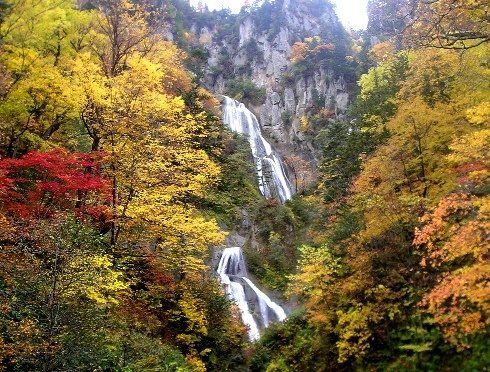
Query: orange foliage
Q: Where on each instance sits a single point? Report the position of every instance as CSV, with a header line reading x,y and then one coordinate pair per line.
x,y
382,52
299,52
455,239
310,47
324,48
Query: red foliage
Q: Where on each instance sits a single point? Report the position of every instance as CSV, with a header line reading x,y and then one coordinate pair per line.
x,y
40,184
464,170
156,272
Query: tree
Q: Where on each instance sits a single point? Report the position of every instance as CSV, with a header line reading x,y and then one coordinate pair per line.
x,y
40,185
387,17
346,144
454,237
38,97
453,242
445,24
314,51
448,24
104,83
58,286
431,163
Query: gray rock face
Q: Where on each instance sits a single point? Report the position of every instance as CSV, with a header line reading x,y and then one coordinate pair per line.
x,y
246,31
263,56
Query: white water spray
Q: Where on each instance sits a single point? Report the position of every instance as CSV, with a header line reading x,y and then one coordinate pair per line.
x,y
273,180
256,308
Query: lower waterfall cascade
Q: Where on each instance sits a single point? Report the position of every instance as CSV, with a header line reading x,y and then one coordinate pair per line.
x,y
273,180
257,310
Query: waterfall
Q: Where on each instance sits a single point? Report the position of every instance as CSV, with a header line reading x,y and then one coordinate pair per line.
x,y
272,177
256,308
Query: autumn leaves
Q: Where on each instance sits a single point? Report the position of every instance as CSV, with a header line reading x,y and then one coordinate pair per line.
x,y
104,162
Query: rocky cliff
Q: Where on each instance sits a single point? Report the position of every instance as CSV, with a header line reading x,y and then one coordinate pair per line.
x,y
254,48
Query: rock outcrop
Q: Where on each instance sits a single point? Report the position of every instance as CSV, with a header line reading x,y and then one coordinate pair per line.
x,y
256,45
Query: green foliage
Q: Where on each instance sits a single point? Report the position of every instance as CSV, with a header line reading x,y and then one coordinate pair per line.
x,y
293,346
376,102
253,51
287,118
59,289
268,17
342,147
281,228
245,90
143,353
346,144
237,187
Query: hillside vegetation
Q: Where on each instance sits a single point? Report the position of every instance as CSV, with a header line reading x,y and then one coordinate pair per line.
x,y
118,179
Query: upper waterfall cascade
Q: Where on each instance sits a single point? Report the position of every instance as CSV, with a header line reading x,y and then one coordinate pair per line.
x,y
256,308
273,181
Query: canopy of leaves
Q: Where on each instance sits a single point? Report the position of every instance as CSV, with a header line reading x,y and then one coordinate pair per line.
x,y
398,276
107,151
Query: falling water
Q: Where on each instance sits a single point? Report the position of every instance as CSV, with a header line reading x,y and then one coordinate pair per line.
x,y
256,308
241,120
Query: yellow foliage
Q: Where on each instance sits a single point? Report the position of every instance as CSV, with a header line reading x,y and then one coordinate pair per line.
x,y
381,52
93,277
104,80
411,168
196,364
355,333
135,116
193,310
318,271
472,147
304,124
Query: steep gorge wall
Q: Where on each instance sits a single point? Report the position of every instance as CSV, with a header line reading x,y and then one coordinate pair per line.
x,y
256,45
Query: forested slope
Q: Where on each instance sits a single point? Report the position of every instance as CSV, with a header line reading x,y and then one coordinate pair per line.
x,y
117,180
396,273
108,149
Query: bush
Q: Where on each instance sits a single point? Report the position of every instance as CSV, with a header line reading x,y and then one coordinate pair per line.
x,y
246,90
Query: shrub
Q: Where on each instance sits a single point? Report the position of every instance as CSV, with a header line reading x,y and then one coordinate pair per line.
x,y
246,90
